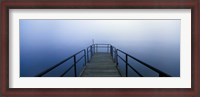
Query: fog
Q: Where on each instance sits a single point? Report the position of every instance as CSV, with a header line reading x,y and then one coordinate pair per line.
x,y
44,43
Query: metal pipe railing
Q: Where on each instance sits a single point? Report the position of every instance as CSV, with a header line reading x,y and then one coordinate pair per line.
x,y
89,52
115,59
161,74
94,48
63,61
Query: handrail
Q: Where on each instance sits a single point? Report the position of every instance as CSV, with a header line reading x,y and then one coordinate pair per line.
x,y
67,70
161,74
94,49
63,61
89,52
102,46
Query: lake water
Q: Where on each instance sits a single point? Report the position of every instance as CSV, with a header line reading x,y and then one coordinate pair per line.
x,y
44,43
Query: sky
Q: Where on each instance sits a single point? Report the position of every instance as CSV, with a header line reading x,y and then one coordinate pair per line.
x,y
44,43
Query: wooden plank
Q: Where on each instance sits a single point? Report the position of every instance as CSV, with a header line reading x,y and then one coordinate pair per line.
x,y
101,65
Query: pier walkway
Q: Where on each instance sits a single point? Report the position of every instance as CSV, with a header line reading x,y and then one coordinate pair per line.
x,y
101,65
101,60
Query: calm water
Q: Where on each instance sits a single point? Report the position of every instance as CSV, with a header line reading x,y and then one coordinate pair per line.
x,y
44,43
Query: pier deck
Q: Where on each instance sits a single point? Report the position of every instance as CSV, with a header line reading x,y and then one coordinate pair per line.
x,y
101,65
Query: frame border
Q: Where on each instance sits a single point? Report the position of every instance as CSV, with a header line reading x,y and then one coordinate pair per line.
x,y
119,4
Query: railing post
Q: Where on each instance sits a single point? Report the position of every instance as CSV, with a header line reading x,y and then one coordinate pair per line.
x,y
111,51
75,66
96,47
91,51
107,48
85,56
126,65
116,55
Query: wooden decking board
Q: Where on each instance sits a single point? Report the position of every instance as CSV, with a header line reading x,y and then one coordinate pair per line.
x,y
101,65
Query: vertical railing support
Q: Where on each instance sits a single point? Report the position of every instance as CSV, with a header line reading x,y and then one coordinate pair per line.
x,y
93,47
75,66
96,47
116,55
111,51
126,65
85,56
107,48
91,51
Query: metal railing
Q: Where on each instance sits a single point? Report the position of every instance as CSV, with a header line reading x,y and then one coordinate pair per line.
x,y
90,52
105,46
94,48
115,55
75,61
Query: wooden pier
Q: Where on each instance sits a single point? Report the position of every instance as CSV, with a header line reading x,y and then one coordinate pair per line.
x,y
101,65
